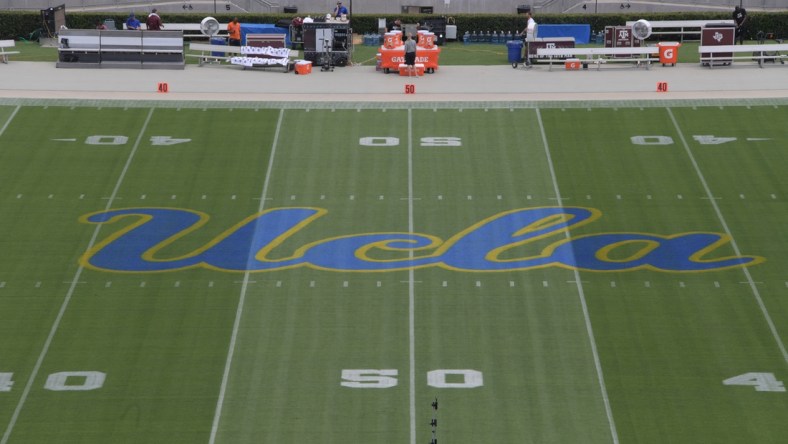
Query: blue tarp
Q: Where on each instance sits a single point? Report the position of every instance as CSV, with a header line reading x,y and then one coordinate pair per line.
x,y
581,33
256,28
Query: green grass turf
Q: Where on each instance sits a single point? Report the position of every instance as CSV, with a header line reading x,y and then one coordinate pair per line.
x,y
665,341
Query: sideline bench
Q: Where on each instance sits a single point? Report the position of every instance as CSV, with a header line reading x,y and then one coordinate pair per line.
x,y
638,55
681,27
3,53
220,53
726,54
208,53
190,30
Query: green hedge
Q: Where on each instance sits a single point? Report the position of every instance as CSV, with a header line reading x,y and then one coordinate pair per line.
x,y
16,24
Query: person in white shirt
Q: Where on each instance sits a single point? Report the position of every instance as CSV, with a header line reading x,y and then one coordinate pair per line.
x,y
529,34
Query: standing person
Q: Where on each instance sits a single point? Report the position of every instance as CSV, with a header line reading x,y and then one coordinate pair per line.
x,y
132,23
339,10
234,31
154,21
410,54
740,17
529,33
101,26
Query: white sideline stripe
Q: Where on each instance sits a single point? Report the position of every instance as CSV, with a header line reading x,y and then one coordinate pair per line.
x,y
70,292
581,293
10,118
756,294
411,287
242,298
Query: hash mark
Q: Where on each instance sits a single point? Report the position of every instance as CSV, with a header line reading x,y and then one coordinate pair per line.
x,y
478,283
2,284
143,196
511,283
588,197
233,197
528,197
741,196
352,197
774,196
618,196
648,196
292,197
613,284
544,283
18,196
440,197
446,284
173,197
50,196
177,284
322,197
344,284
204,196
312,284
379,284
500,197
716,284
210,284
81,196
108,284
681,284
380,197
142,284
470,197
648,284
679,196
38,284
278,284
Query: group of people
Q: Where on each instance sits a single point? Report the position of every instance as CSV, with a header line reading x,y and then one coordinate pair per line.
x,y
152,23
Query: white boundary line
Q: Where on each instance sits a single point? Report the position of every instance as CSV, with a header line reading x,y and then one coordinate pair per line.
x,y
756,294
581,294
242,298
10,118
71,289
411,287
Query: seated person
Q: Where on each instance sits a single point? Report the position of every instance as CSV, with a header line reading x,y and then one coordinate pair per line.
x,y
396,26
132,23
340,10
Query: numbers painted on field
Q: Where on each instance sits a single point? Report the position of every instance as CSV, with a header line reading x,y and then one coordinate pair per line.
x,y
387,378
78,381
705,139
383,141
103,140
763,382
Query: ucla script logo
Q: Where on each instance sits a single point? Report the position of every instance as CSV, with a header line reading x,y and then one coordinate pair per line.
x,y
497,243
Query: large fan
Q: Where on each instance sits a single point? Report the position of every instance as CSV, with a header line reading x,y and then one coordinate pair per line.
x,y
209,26
641,29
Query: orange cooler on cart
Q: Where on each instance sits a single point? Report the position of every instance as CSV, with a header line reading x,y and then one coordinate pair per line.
x,y
427,52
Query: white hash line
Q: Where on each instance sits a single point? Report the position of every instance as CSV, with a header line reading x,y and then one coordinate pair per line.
x,y
10,118
411,287
756,294
242,298
581,294
70,292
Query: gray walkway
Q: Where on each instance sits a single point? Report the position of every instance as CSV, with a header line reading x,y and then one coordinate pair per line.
x,y
364,84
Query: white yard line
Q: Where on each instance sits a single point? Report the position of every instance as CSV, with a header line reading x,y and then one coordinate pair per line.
x,y
756,294
581,294
411,287
70,292
10,118
242,298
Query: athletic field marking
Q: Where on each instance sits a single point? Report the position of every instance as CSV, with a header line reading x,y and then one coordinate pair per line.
x,y
56,324
233,197
18,196
445,284
142,284
345,284
108,284
648,196
210,284
681,284
613,284
648,284
411,287
143,197
679,196
544,284
81,196
478,283
741,196
581,293
511,283
173,197
38,284
242,297
756,294
618,197
51,196
2,284
716,284
8,121
177,284
774,196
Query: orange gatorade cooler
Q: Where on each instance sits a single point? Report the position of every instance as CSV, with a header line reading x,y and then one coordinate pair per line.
x,y
397,38
572,64
668,52
303,67
426,39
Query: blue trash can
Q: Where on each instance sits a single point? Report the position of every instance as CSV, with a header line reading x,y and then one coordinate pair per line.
x,y
515,50
219,41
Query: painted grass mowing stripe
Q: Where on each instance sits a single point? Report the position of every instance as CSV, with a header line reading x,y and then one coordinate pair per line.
x,y
581,293
70,292
242,298
756,294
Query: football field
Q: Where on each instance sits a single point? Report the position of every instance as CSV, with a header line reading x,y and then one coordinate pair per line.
x,y
232,273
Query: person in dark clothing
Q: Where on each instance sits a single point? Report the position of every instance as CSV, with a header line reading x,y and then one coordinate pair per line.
x,y
740,17
154,21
